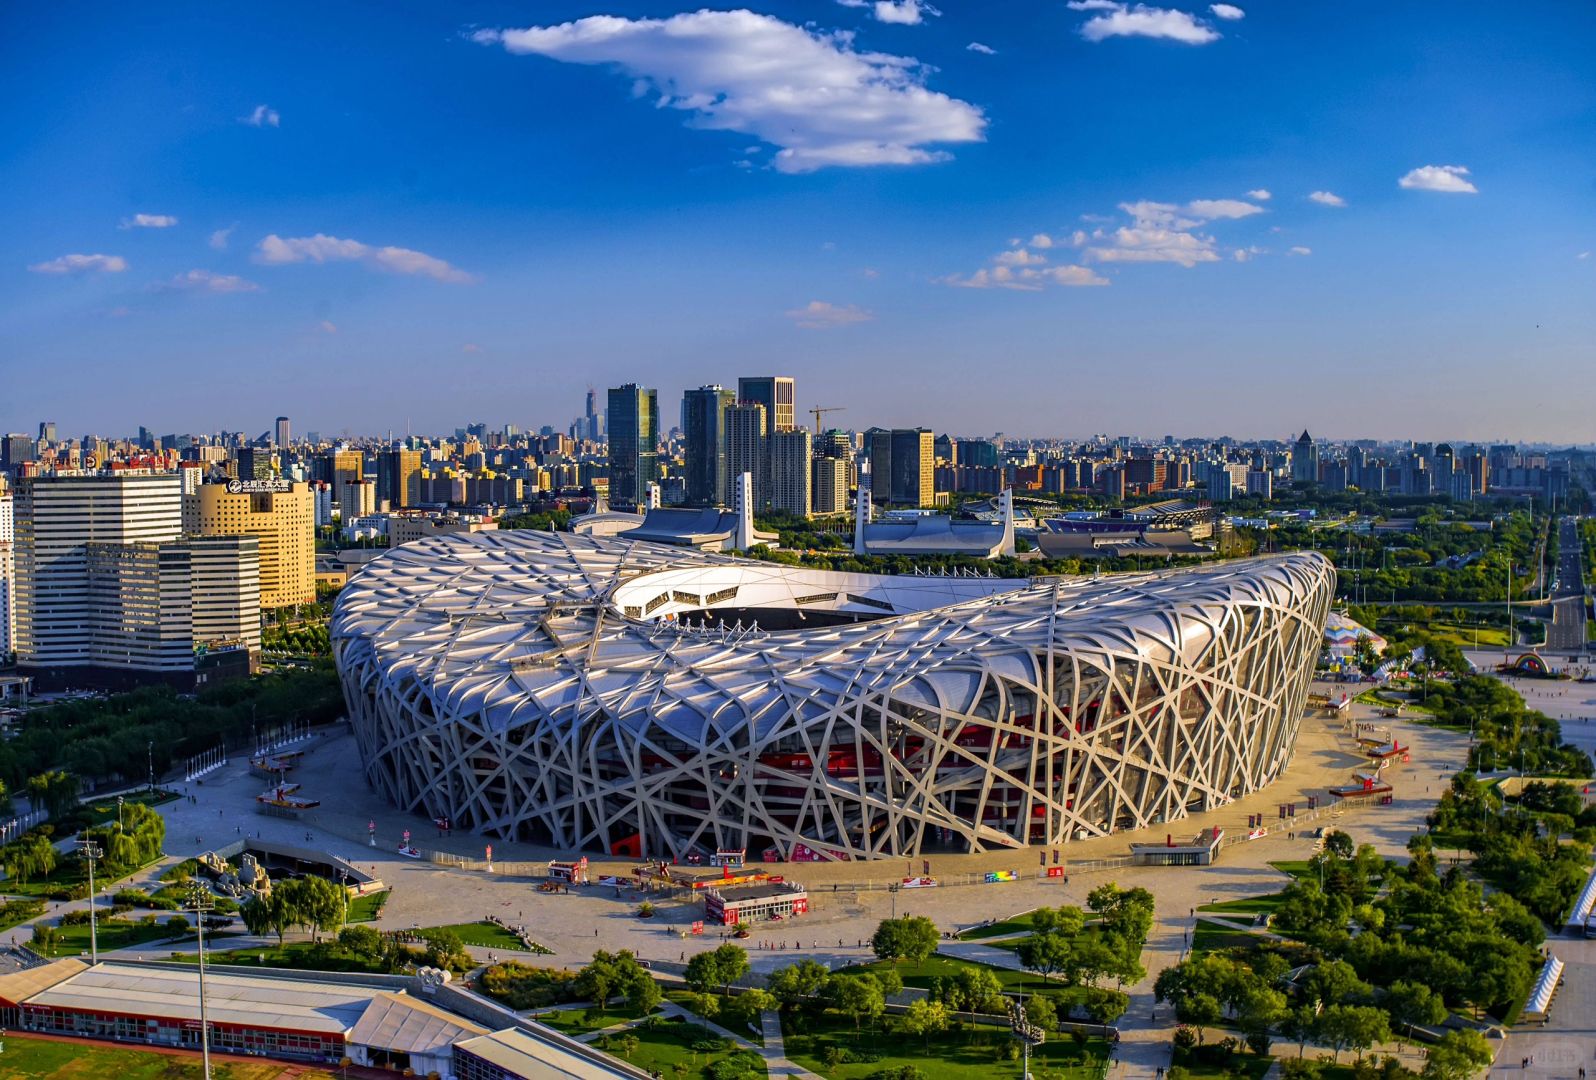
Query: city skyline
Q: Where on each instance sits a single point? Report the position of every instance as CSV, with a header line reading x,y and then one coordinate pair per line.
x,y
1051,222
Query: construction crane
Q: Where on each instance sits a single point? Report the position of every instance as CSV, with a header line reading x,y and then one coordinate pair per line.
x,y
825,409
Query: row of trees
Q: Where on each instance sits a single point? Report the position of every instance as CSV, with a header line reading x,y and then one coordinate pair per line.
x,y
1520,853
311,903
1379,949
1063,942
121,737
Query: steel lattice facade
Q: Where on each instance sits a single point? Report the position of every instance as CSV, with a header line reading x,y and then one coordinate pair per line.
x,y
566,690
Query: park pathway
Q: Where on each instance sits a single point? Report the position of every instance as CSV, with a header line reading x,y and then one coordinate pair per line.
x,y
777,1063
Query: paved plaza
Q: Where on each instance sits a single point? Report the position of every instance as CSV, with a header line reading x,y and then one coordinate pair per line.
x,y
849,899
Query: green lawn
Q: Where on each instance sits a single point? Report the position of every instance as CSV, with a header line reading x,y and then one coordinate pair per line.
x,y
29,1058
69,874
684,998
113,934
1208,937
1463,635
937,966
16,912
484,935
580,1021
1208,1063
366,908
105,810
1297,868
669,1043
1017,924
297,955
975,1053
1247,905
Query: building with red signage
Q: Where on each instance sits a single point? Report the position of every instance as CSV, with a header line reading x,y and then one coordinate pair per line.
x,y
755,903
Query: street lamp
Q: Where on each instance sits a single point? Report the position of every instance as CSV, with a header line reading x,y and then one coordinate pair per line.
x,y
201,902
91,851
1028,1033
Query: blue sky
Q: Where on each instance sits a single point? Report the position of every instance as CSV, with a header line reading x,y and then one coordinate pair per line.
x,y
1104,219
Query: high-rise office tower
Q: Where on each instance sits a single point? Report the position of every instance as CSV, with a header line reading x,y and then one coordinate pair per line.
x,y
15,449
47,431
254,463
790,471
828,486
747,448
8,571
704,438
775,393
399,478
1305,460
902,466
57,519
282,521
357,499
633,422
282,433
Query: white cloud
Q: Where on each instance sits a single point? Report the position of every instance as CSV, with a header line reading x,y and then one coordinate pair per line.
x,y
1158,232
275,250
327,327
1260,194
77,264
1299,250
219,238
148,221
1227,11
808,92
1447,178
1327,198
1583,255
262,116
819,315
1155,245
902,12
1141,20
1073,276
206,281
984,50
1213,209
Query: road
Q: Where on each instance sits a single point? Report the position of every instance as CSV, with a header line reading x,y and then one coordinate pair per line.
x,y
1566,631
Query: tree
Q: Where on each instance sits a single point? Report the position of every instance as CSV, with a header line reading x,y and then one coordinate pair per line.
x,y
1338,844
1258,1009
1041,1011
1299,1025
1044,953
316,904
1458,1056
1334,983
1411,1003
1356,1027
926,1018
266,914
718,967
706,1005
749,1005
913,937
643,994
798,983
978,990
361,941
858,996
